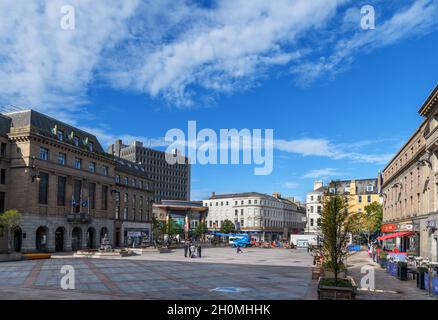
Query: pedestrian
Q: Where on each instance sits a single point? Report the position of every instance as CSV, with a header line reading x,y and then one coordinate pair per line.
x,y
193,251
190,249
199,250
186,249
239,250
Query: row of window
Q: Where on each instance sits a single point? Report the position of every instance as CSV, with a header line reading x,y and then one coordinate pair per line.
x,y
78,199
369,188
247,202
135,183
62,160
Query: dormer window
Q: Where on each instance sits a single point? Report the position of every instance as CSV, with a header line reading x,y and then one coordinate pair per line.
x,y
60,135
76,141
370,188
90,146
332,190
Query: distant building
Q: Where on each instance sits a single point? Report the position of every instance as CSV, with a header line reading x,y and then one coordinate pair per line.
x,y
188,214
314,206
263,216
171,181
360,192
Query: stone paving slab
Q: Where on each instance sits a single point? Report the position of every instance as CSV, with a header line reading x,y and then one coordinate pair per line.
x,y
264,274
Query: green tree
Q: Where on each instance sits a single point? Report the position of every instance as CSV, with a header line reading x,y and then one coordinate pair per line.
x,y
173,228
228,227
8,220
336,226
201,229
371,221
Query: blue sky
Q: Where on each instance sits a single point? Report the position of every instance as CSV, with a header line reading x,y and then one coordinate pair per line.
x,y
341,100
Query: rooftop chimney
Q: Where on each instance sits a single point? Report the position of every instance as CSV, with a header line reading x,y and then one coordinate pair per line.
x,y
317,184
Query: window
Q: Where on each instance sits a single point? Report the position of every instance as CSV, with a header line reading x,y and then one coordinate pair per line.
x,y
61,191
77,191
242,224
105,171
61,159
236,213
43,188
60,135
3,176
104,197
360,199
125,198
369,199
332,190
76,141
125,213
241,212
126,181
92,195
311,222
117,212
78,163
44,154
370,188
92,167
2,202
117,179
3,150
90,146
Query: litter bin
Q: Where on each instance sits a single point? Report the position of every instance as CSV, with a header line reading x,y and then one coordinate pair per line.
x,y
402,271
420,278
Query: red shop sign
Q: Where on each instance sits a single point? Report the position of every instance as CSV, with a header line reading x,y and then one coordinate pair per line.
x,y
389,228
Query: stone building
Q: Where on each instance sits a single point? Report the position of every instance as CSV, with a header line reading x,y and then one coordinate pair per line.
x,y
263,216
314,206
171,181
61,181
360,192
410,187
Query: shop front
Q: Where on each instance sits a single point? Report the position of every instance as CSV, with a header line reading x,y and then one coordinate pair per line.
x,y
400,240
136,234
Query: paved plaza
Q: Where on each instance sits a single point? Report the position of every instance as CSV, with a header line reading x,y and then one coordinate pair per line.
x,y
257,274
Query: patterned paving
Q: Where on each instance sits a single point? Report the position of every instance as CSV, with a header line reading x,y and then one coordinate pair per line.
x,y
161,277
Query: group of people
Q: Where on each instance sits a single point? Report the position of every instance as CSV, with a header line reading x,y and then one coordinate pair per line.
x,y
192,250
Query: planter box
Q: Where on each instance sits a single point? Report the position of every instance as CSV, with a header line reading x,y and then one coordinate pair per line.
x,y
337,293
434,283
392,269
330,274
15,256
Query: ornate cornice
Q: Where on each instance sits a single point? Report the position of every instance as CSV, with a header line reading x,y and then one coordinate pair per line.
x,y
430,104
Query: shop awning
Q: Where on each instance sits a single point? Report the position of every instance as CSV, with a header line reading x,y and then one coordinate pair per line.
x,y
396,235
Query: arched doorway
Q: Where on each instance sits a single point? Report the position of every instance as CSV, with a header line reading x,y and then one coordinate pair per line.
x,y
91,234
17,235
76,239
42,234
103,232
59,239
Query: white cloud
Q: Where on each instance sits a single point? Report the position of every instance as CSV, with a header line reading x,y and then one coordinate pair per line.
x,y
290,185
327,149
324,173
178,50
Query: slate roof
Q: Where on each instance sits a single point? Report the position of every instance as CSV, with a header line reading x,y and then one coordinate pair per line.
x,y
46,124
130,167
5,124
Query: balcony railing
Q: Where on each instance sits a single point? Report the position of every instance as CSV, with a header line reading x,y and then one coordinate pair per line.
x,y
81,217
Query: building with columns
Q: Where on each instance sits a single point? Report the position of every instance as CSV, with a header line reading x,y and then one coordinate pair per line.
x,y
410,187
64,185
263,216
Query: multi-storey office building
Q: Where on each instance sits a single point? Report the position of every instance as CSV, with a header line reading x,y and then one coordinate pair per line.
x,y
314,206
171,181
264,217
410,188
60,180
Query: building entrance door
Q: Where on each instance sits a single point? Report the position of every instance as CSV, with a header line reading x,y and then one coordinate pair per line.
x,y
59,240
18,235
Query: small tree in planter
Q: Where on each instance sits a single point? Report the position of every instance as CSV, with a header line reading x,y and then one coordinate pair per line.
x,y
8,220
336,226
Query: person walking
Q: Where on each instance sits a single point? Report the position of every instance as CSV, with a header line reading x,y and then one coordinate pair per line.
x,y
239,250
193,251
199,250
186,249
